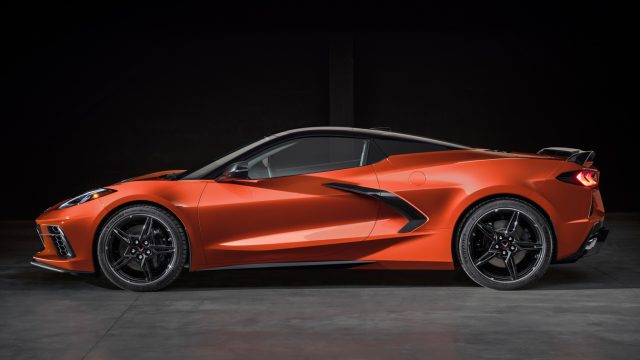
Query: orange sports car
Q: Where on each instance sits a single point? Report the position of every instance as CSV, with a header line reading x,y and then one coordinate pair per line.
x,y
331,196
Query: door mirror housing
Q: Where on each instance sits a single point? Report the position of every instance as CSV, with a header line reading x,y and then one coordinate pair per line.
x,y
235,171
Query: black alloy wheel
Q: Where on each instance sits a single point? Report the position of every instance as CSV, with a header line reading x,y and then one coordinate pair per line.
x,y
505,244
142,248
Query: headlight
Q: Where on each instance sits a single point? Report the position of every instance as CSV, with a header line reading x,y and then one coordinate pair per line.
x,y
88,196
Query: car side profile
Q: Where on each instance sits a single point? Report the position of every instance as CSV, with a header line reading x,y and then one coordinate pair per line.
x,y
331,196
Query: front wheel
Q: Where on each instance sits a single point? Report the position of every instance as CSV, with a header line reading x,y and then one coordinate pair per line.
x,y
504,244
142,248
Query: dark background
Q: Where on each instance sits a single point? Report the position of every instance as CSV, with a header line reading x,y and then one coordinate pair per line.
x,y
93,95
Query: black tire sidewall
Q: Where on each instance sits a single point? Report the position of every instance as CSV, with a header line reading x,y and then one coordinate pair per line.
x,y
463,238
174,226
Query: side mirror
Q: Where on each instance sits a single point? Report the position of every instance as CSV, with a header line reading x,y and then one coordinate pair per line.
x,y
235,171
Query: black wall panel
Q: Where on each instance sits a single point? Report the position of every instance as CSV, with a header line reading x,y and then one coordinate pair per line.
x,y
94,95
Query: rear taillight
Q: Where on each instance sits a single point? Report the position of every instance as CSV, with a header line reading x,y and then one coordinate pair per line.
x,y
585,177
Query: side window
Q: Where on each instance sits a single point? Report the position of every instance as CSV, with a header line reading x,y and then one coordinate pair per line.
x,y
308,155
397,147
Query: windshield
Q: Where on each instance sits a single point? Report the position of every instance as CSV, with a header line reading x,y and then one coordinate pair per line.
x,y
207,169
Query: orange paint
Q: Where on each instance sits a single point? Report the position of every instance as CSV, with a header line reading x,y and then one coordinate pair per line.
x,y
297,218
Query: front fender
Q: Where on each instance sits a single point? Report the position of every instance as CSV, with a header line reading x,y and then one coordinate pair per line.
x,y
82,222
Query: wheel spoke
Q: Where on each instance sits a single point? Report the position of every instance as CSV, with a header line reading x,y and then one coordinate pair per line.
x,y
162,249
486,230
146,269
152,236
146,228
528,246
122,235
511,266
486,257
513,222
124,260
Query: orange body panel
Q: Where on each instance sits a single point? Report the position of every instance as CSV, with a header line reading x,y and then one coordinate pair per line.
x,y
298,218
292,218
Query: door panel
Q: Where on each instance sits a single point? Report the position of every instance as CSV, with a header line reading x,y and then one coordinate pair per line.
x,y
291,218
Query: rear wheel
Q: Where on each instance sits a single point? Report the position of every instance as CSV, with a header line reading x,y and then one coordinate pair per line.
x,y
142,248
505,244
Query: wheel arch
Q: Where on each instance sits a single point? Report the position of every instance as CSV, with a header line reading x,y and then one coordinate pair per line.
x,y
469,207
109,213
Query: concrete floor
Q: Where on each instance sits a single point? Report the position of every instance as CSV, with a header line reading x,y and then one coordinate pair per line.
x,y
587,310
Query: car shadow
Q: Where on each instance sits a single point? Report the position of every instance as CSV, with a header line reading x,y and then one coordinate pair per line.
x,y
558,277
318,278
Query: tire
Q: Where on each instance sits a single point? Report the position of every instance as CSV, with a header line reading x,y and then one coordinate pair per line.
x,y
142,248
504,244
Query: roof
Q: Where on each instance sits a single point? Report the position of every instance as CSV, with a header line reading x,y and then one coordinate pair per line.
x,y
373,133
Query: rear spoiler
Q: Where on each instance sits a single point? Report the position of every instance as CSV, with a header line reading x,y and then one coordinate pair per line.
x,y
577,156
